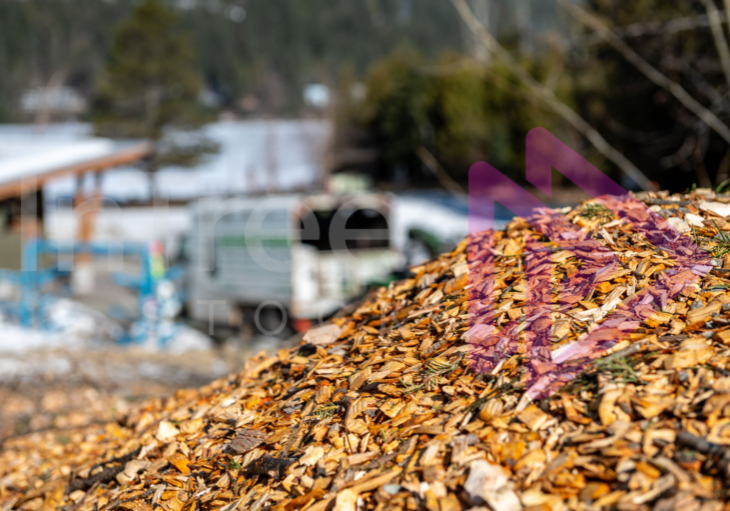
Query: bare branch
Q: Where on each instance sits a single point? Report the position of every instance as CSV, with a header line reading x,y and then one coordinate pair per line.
x,y
723,170
649,71
672,26
430,161
698,157
719,36
545,94
681,64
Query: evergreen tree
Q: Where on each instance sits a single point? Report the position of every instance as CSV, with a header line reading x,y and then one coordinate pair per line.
x,y
150,88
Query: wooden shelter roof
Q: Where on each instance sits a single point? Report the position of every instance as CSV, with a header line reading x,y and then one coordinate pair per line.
x,y
20,176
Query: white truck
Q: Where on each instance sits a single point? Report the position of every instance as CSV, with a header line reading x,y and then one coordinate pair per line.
x,y
283,262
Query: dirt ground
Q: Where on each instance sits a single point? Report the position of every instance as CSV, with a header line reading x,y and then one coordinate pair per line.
x,y
62,389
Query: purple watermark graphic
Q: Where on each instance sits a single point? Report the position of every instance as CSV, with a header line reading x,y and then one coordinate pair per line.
x,y
546,372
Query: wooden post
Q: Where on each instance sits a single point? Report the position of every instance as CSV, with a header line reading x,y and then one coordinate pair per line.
x,y
86,211
30,209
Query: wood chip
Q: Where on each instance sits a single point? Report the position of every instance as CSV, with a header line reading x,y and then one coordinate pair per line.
x,y
397,404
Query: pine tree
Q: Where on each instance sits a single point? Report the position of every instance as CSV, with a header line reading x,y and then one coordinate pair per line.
x,y
150,88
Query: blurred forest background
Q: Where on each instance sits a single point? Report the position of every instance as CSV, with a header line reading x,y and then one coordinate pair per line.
x,y
415,96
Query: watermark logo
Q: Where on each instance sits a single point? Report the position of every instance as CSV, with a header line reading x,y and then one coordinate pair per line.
x,y
547,371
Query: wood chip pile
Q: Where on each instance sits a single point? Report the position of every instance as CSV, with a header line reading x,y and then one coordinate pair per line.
x,y
381,410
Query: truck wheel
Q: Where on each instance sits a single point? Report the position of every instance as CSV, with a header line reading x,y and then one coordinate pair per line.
x,y
272,319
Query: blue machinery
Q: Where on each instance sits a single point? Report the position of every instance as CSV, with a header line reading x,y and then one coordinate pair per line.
x,y
33,278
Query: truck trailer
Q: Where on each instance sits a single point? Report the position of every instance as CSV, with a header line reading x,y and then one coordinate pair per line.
x,y
281,263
